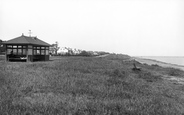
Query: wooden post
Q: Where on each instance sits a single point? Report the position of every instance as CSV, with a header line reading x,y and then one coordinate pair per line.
x,y
32,55
27,53
45,53
6,59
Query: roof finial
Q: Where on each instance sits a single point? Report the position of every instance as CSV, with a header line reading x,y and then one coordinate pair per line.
x,y
22,34
30,33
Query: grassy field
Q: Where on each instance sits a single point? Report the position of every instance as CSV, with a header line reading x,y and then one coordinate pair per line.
x,y
89,86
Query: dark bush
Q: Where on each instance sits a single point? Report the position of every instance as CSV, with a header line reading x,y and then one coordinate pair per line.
x,y
155,65
174,72
119,73
149,77
85,53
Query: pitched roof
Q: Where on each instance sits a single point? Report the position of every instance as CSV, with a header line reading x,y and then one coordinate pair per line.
x,y
27,40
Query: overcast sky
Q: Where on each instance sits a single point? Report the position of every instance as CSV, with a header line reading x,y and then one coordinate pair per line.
x,y
133,27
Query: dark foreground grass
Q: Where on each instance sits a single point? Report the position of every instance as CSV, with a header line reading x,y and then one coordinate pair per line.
x,y
88,86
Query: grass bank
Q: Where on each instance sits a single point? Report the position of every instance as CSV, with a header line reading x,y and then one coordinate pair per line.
x,y
89,86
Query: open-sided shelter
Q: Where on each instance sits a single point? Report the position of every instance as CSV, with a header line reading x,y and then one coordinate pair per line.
x,y
26,48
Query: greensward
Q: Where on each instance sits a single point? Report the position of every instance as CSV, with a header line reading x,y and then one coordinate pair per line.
x,y
89,86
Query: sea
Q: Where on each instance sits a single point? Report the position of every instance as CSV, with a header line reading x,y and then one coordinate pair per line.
x,y
178,60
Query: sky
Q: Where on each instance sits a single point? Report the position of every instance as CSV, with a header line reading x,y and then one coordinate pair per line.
x,y
132,27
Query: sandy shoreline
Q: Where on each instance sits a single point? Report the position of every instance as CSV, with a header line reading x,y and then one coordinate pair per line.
x,y
163,64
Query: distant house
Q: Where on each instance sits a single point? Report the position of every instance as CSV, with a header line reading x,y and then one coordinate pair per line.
x,y
25,48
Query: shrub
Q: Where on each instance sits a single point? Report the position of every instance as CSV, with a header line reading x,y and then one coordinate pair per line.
x,y
148,76
155,65
85,53
119,73
174,72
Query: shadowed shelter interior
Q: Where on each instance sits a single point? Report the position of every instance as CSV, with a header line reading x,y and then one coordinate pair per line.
x,y
26,48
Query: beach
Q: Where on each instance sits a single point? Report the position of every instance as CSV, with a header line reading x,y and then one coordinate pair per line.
x,y
155,62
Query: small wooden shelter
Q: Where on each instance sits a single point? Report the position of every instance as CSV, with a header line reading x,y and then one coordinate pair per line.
x,y
26,48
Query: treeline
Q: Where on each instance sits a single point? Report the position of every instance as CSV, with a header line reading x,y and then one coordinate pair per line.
x,y
55,50
88,53
81,53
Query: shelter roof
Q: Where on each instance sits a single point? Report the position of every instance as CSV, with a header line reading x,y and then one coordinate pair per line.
x,y
27,40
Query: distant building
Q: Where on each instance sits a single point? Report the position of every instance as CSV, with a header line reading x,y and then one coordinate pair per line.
x,y
26,48
63,51
69,51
